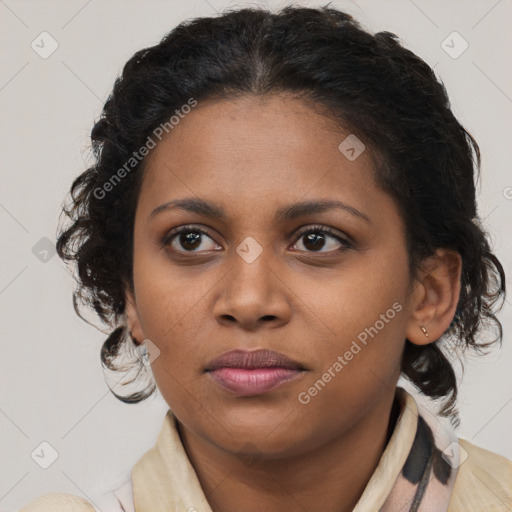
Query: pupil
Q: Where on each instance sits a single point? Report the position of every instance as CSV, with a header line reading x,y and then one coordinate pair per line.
x,y
189,238
317,242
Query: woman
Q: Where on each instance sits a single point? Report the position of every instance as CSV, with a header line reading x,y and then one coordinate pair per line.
x,y
282,214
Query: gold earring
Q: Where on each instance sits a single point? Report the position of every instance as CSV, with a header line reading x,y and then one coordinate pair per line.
x,y
425,332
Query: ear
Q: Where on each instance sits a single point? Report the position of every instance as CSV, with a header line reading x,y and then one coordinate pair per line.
x,y
435,297
132,317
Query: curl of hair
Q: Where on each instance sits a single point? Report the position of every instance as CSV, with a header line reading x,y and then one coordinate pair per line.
x,y
369,84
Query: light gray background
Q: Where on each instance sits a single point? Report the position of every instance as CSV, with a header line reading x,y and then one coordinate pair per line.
x,y
53,387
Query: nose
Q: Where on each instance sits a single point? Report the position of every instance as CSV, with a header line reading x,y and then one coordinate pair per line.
x,y
252,296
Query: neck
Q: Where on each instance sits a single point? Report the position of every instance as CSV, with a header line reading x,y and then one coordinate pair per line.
x,y
330,478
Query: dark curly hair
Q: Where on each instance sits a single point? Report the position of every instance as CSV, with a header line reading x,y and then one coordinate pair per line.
x,y
370,84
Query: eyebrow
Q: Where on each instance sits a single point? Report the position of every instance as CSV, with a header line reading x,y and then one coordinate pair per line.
x,y
287,213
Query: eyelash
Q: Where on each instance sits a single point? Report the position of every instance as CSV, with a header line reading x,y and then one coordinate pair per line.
x,y
316,228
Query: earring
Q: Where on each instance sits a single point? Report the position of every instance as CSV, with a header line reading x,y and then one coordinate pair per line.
x,y
425,332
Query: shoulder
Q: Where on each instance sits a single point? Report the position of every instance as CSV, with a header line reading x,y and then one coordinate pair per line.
x,y
117,500
58,502
483,481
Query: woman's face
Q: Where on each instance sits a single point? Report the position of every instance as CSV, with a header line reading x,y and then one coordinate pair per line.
x,y
336,302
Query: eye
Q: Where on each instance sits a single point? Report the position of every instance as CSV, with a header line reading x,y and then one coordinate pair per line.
x,y
189,238
317,237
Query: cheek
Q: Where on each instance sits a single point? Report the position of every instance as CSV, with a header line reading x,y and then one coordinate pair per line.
x,y
363,318
360,359
171,313
173,321
164,296
355,298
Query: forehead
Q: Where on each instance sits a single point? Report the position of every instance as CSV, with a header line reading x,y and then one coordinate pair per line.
x,y
254,153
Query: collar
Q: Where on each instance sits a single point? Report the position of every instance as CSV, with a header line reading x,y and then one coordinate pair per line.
x,y
413,473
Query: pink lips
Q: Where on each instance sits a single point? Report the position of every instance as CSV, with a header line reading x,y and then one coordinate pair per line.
x,y
252,373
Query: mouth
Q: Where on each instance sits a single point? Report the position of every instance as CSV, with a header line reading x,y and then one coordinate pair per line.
x,y
252,373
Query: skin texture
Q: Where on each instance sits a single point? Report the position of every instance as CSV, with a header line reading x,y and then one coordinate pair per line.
x,y
252,156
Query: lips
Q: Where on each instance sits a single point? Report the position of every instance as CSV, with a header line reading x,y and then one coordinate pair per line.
x,y
254,359
253,373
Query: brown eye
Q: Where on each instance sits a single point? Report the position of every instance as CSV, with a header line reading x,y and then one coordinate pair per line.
x,y
189,239
317,238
